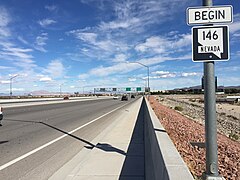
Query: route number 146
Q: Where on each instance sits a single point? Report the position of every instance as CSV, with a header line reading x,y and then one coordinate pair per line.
x,y
210,35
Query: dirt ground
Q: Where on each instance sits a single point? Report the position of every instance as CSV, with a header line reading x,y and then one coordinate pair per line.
x,y
189,136
227,115
229,109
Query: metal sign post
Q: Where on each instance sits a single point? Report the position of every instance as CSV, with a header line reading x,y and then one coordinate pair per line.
x,y
210,43
210,116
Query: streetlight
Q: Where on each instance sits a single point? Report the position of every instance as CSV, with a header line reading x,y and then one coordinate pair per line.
x,y
136,62
11,84
60,87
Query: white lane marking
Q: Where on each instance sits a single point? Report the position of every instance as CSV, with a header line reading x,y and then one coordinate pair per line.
x,y
55,140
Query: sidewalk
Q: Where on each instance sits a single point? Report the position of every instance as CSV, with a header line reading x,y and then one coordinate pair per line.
x,y
118,152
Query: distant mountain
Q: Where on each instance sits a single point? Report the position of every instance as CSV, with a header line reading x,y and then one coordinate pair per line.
x,y
41,92
4,94
232,87
200,87
44,93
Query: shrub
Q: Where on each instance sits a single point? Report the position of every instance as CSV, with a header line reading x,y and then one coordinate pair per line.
x,y
233,136
178,108
222,113
192,100
231,116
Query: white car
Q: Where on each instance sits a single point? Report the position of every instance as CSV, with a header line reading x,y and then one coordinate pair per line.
x,y
115,97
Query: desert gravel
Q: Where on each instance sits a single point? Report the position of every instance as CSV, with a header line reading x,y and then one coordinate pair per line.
x,y
188,137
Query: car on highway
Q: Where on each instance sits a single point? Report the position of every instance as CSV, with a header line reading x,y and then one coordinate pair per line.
x,y
66,98
132,96
115,97
124,97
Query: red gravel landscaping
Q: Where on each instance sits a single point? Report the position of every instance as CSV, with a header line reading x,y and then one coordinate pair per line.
x,y
188,137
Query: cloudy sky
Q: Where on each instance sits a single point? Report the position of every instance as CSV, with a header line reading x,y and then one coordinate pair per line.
x,y
92,43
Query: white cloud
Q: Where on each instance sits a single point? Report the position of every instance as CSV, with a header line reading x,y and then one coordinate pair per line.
x,y
167,74
115,69
229,81
46,22
132,18
40,42
18,89
132,79
229,68
120,58
5,82
165,45
119,24
4,17
89,37
155,43
4,67
190,74
98,46
4,32
55,69
20,57
83,76
45,79
21,39
51,7
132,21
235,26
121,68
161,72
17,56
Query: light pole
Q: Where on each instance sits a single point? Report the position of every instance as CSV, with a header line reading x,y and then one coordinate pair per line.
x,y
11,84
60,89
136,62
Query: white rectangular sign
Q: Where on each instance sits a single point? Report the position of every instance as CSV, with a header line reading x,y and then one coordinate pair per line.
x,y
208,15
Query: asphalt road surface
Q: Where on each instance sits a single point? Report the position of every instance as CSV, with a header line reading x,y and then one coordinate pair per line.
x,y
35,141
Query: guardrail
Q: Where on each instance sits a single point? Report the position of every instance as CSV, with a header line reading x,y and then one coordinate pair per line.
x,y
162,160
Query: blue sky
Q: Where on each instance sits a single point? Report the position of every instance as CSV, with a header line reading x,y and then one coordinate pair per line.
x,y
87,43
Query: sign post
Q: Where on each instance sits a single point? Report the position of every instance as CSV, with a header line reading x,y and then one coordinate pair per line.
x,y
210,43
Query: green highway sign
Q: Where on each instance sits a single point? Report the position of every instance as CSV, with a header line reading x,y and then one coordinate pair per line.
x,y
128,89
139,89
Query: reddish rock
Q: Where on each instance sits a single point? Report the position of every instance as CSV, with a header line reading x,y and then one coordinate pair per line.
x,y
183,130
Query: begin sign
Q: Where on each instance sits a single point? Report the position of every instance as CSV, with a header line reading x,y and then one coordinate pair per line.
x,y
206,15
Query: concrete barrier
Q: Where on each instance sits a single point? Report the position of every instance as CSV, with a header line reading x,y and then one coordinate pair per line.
x,y
162,160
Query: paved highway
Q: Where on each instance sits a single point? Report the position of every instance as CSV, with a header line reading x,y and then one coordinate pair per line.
x,y
35,141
